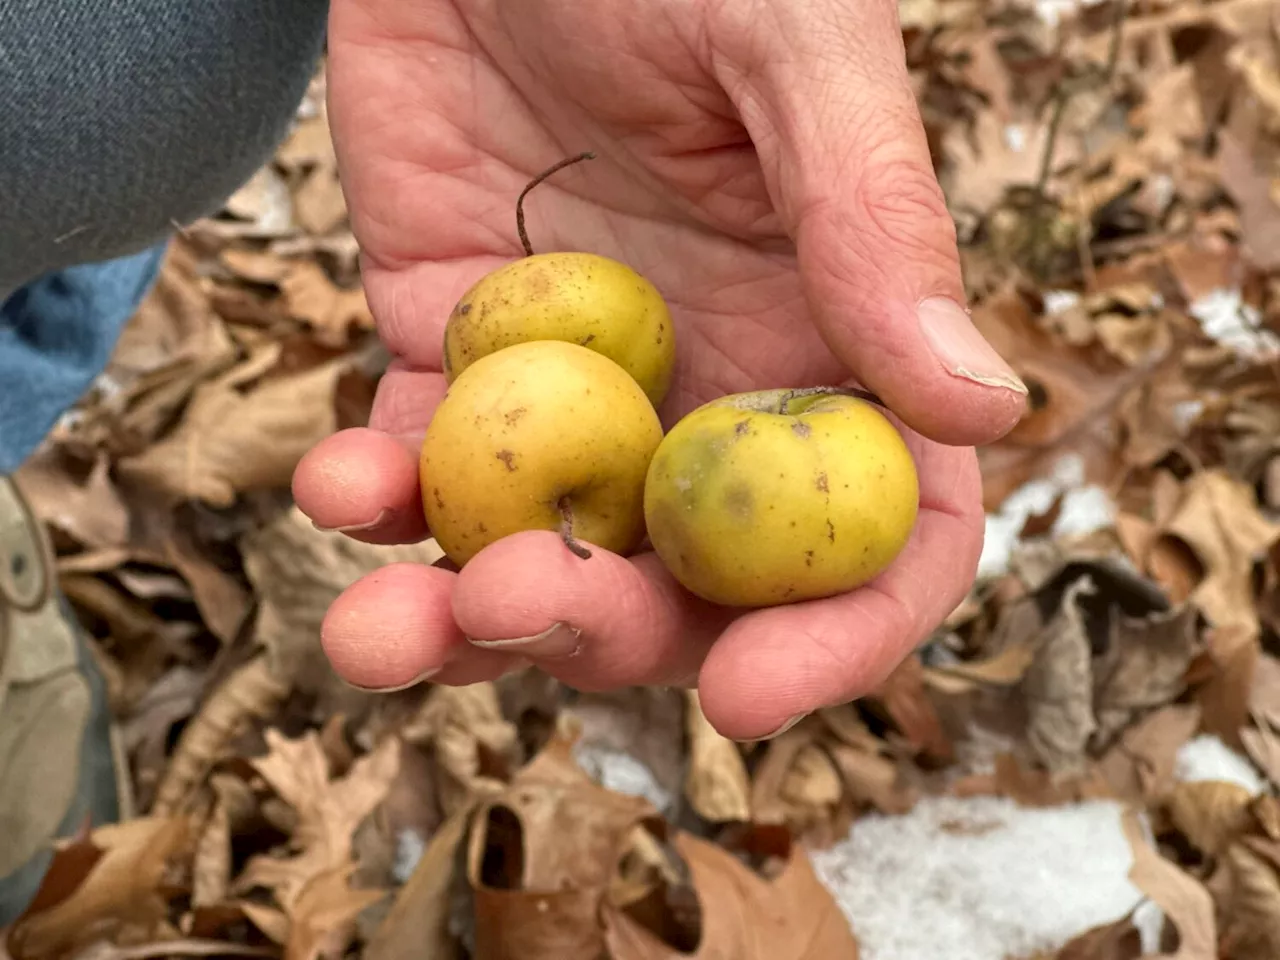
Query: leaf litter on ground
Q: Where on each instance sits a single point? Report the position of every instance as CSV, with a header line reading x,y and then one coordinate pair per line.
x,y
1081,763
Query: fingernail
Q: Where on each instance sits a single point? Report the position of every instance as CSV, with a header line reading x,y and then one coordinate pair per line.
x,y
425,675
558,640
383,515
781,730
960,348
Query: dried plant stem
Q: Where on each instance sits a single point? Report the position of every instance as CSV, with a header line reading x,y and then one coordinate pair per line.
x,y
567,162
566,530
1062,98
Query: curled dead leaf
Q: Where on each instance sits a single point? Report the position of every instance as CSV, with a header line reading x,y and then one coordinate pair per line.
x,y
123,886
250,692
234,438
1210,813
541,856
716,782
1183,899
746,914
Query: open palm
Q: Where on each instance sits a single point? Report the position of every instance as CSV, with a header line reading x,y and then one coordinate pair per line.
x,y
763,164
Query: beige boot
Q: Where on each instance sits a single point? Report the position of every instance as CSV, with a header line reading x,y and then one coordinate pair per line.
x,y
57,768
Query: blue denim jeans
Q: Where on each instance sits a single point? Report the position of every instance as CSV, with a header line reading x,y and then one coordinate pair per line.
x,y
119,120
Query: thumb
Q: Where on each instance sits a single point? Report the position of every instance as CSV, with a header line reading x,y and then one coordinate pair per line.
x,y
823,89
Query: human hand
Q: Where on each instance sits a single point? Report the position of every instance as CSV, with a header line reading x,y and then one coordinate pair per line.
x,y
764,164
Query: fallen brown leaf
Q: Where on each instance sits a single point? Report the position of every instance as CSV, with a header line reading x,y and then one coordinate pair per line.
x,y
716,783
904,698
1113,941
328,810
1058,686
1219,520
540,858
784,915
1224,697
322,919
418,922
474,745
1139,766
296,572
234,438
1183,899
123,886
249,692
1210,813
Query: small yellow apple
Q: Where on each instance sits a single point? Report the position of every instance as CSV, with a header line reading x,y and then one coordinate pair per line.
x,y
765,498
542,435
583,298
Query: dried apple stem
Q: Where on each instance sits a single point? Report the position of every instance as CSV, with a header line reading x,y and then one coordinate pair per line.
x,y
566,530
567,162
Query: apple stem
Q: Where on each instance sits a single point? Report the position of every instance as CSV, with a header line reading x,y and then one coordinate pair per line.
x,y
799,393
567,162
566,530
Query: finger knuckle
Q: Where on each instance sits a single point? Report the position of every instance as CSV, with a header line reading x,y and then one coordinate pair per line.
x,y
897,198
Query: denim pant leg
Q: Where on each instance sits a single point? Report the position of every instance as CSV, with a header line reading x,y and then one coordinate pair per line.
x,y
118,120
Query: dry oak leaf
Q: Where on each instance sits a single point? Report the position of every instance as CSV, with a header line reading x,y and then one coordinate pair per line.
x,y
1075,392
92,512
541,857
251,692
1139,766
329,810
1211,813
1058,687
1218,518
332,312
869,775
1232,656
125,885
1252,923
297,571
1261,741
716,783
322,922
417,925
234,438
472,742
1184,900
788,915
1120,940
1143,667
905,698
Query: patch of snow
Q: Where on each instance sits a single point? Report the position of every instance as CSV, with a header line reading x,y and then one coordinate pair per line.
x,y
1227,319
1207,758
1052,11
1162,189
622,773
1059,301
1085,508
409,850
1186,412
981,878
1015,137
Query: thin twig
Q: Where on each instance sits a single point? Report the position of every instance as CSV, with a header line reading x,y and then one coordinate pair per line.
x,y
568,161
1065,92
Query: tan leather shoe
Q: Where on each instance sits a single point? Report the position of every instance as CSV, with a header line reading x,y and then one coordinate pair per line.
x,y
57,768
